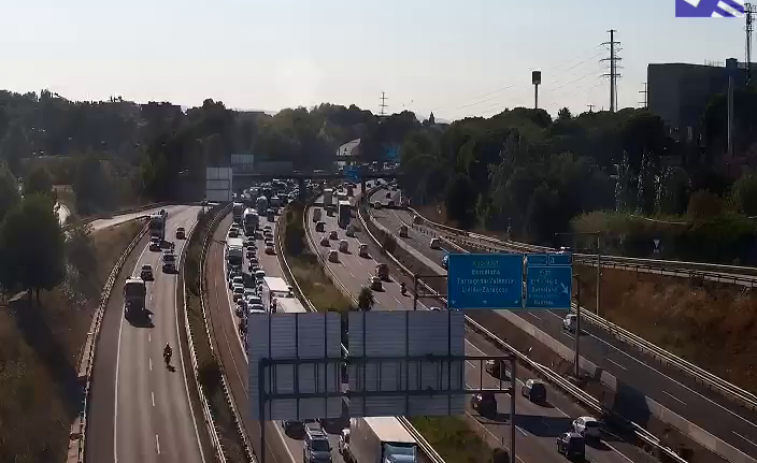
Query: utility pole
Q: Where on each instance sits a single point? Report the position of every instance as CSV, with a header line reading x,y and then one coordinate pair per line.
x,y
613,74
383,104
644,92
591,107
750,10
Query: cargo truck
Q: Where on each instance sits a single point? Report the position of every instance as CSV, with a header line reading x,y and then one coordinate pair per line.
x,y
250,221
135,291
237,209
380,440
157,226
345,214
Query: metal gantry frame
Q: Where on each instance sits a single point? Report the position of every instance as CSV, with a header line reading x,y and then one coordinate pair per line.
x,y
269,365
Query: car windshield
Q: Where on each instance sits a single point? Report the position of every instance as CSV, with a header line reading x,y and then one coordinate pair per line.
x,y
320,445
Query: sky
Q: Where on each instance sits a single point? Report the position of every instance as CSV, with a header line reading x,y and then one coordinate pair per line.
x,y
455,58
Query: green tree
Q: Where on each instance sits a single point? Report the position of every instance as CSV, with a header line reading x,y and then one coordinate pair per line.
x,y
39,181
460,201
564,114
94,187
14,146
744,194
32,246
365,299
9,195
705,205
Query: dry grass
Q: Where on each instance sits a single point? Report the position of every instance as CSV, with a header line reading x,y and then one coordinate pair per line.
x,y
38,381
453,439
711,325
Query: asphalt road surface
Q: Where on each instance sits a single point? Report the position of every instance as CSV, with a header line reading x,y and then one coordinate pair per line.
x,y
538,426
666,386
141,409
117,219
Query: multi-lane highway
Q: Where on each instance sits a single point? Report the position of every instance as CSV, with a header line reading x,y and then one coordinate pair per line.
x,y
537,426
666,386
141,411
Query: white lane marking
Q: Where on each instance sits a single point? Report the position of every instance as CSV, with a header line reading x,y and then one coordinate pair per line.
x,y
673,397
181,356
745,438
149,337
152,395
149,362
157,444
118,358
617,451
535,316
617,364
521,431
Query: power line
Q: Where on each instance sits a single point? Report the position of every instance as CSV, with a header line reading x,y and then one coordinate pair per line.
x,y
613,74
591,107
383,103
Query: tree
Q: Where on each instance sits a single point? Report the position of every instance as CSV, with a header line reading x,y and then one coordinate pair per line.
x,y
564,114
14,146
704,205
9,195
460,201
39,181
32,246
365,299
744,194
93,186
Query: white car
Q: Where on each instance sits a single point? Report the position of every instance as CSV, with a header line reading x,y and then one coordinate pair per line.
x,y
587,426
569,322
237,292
259,275
344,441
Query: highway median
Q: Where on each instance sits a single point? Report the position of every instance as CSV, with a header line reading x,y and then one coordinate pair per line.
x,y
209,372
450,436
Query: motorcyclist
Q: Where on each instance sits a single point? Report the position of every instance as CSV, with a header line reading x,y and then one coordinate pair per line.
x,y
403,288
167,352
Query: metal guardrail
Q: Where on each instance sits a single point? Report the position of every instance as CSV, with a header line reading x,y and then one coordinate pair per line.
x,y
130,210
224,381
547,374
713,382
422,442
207,415
657,263
78,433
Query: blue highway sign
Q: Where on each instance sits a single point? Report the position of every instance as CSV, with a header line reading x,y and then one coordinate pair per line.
x,y
352,172
485,281
549,281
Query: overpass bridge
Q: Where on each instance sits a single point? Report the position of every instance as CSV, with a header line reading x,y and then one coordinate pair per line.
x,y
243,180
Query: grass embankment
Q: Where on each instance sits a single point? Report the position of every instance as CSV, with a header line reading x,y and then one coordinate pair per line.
x,y
450,436
709,324
40,345
207,365
306,268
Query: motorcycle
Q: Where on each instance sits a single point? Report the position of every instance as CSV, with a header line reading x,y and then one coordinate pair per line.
x,y
167,356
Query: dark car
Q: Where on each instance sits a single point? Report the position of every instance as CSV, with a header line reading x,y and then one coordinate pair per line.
x,y
293,427
571,445
534,390
484,403
496,368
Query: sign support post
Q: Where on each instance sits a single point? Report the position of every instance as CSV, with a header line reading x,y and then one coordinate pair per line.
x,y
578,327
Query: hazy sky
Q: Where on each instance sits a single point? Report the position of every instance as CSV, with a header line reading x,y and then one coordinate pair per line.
x,y
457,58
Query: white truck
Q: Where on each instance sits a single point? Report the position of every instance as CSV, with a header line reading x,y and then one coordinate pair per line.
x,y
250,221
235,252
135,291
380,440
316,214
237,209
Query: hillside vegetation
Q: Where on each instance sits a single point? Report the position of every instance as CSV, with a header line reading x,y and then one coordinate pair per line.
x,y
40,345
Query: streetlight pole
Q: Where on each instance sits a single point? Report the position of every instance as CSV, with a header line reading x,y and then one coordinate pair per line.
x,y
577,353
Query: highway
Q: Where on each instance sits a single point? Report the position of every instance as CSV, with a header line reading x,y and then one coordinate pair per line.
x,y
99,224
540,425
280,448
676,391
141,411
